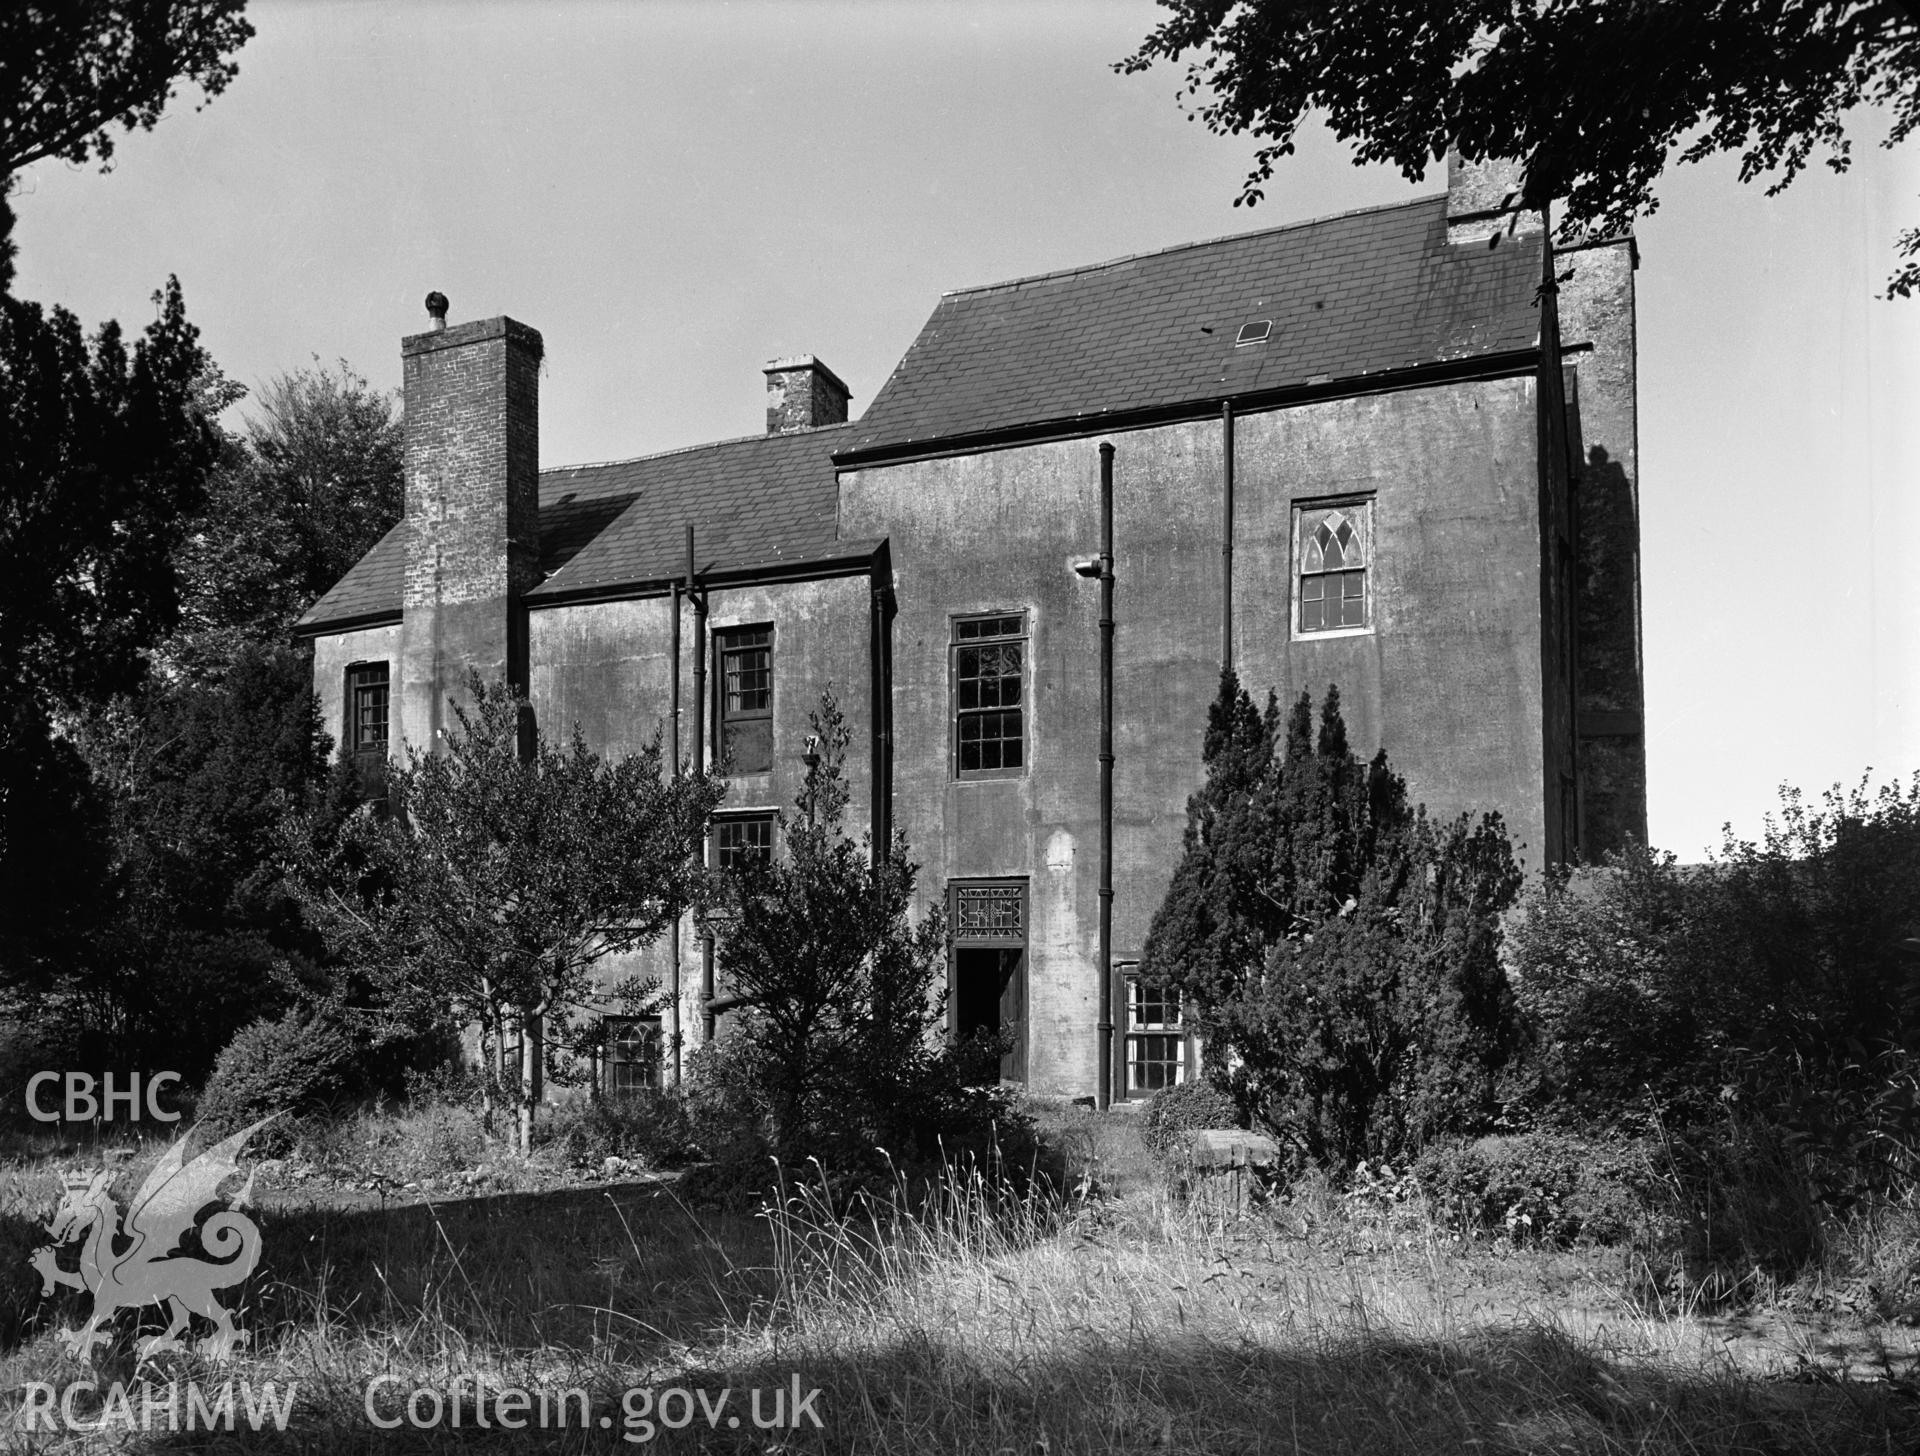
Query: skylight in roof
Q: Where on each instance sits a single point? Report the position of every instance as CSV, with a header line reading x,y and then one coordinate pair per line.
x,y
1253,333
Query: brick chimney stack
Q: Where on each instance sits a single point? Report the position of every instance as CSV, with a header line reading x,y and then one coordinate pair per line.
x,y
803,394
1484,198
472,394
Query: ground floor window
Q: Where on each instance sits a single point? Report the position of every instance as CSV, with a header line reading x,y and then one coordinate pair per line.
x,y
1157,1051
632,1052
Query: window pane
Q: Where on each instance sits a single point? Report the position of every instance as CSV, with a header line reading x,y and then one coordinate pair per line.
x,y
747,745
747,839
368,704
987,693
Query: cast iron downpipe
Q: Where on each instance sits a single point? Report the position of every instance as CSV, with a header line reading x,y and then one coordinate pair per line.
x,y
673,754
880,710
1226,538
699,761
1103,1094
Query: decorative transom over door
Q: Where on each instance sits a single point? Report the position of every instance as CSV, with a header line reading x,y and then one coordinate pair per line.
x,y
987,975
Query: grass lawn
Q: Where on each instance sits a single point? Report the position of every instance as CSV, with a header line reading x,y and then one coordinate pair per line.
x,y
1109,1324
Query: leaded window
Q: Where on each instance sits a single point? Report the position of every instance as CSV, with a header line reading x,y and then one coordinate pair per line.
x,y
989,695
633,1054
1333,548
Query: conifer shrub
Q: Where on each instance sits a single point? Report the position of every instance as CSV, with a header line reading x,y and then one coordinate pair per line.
x,y
1337,948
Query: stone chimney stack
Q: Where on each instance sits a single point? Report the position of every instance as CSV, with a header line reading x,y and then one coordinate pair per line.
x,y
1484,198
472,394
803,394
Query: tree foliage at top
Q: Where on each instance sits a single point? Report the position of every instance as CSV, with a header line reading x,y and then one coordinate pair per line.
x,y
838,988
1338,950
1596,97
73,70
309,487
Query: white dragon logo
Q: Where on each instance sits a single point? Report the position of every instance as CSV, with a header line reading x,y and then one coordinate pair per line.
x,y
152,1268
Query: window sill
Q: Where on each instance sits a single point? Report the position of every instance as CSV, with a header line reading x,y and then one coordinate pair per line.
x,y
987,775
1299,636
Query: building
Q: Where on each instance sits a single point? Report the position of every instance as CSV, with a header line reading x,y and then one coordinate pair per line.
x,y
1377,450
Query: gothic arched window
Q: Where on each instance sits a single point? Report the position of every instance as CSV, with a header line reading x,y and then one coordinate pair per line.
x,y
1333,549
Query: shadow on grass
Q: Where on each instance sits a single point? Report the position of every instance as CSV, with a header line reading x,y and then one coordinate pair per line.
x,y
1527,1390
620,1273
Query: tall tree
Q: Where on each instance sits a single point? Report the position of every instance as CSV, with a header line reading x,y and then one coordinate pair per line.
x,y
1596,97
103,454
312,483
502,878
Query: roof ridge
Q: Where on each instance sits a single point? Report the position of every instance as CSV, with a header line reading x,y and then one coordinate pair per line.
x,y
690,449
1184,247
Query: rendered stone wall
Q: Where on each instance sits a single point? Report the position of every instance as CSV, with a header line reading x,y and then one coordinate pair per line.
x,y
1449,681
1597,320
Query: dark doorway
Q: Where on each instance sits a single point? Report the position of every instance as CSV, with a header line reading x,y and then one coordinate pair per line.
x,y
987,973
989,994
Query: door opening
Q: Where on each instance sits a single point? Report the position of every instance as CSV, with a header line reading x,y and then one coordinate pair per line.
x,y
987,972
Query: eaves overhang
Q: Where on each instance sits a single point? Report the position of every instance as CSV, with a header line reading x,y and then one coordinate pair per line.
x,y
1501,365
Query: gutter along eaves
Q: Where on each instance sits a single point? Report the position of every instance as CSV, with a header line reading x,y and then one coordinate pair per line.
x,y
359,622
1482,366
854,559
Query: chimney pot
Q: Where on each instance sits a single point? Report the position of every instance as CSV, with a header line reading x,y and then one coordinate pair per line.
x,y
437,310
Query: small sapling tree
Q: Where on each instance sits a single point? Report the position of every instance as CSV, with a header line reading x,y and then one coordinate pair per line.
x,y
838,987
501,878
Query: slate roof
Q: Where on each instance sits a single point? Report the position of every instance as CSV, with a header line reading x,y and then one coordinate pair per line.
x,y
1362,294
1359,294
754,502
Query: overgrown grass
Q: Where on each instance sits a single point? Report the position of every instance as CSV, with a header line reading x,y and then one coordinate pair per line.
x,y
967,1319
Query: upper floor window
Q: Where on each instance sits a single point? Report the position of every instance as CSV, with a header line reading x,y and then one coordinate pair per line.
x,y
742,839
1333,547
989,695
367,710
746,700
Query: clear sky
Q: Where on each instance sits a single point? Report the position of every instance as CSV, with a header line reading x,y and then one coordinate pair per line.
x,y
675,193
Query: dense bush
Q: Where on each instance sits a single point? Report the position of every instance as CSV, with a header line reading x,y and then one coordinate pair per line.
x,y
645,1127
301,1063
1338,949
1545,1186
1176,1111
1772,980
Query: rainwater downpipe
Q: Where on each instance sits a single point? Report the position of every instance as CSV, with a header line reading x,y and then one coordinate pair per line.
x,y
673,755
699,761
1226,538
1103,1093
